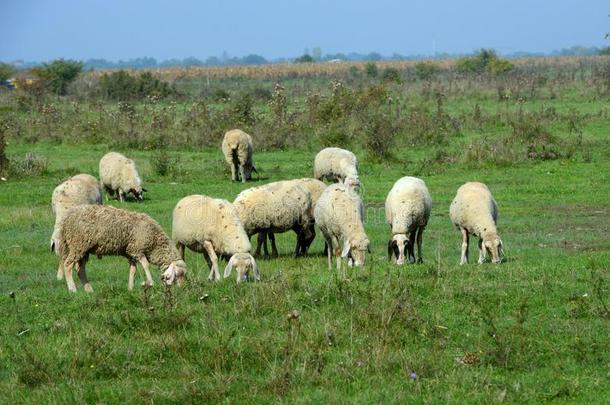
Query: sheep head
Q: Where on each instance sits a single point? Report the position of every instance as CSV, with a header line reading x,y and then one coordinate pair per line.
x,y
493,246
355,250
245,267
397,247
176,271
138,193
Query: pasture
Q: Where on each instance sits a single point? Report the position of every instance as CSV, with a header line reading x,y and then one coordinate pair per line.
x,y
533,328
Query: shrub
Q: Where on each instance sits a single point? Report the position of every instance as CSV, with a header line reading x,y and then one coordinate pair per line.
x,y
31,165
163,163
379,131
58,74
6,71
122,86
243,109
485,60
4,163
425,70
371,69
391,74
497,67
304,59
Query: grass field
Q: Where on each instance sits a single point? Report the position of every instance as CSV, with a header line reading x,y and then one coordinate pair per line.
x,y
533,328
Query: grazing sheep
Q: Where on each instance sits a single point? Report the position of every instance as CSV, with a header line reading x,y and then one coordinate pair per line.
x,y
211,226
77,190
407,210
275,208
104,230
337,164
119,174
474,211
237,148
339,215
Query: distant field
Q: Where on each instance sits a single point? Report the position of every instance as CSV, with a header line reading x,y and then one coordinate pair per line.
x,y
533,328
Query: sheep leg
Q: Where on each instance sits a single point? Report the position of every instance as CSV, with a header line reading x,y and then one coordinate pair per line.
x,y
482,252
273,246
411,248
242,173
335,243
419,243
262,241
329,247
82,274
144,262
121,195
68,273
233,173
180,248
60,270
465,239
214,273
132,274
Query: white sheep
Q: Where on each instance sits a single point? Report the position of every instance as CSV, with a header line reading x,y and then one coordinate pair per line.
x,y
103,230
237,149
118,174
336,164
275,208
77,190
407,210
339,215
474,211
211,226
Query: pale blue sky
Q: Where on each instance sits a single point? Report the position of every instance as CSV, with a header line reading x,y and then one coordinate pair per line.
x,y
114,29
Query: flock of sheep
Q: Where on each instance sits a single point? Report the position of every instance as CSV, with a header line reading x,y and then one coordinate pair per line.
x,y
220,229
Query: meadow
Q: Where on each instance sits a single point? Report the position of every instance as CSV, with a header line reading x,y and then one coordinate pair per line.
x,y
533,328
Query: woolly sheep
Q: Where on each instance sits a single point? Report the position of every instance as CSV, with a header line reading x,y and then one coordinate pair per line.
x,y
407,210
118,174
336,164
77,190
339,215
211,226
104,230
315,188
275,208
237,149
474,211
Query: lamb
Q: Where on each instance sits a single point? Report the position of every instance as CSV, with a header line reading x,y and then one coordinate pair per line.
x,y
275,208
407,210
337,164
237,148
339,215
104,230
118,174
211,226
474,211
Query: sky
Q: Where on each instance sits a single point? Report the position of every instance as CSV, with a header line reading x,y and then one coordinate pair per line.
x,y
43,30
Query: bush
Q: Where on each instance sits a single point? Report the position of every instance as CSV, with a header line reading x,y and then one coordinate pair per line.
x,y
371,69
497,67
6,71
379,131
122,86
304,59
31,165
485,60
163,163
391,74
58,74
4,163
425,70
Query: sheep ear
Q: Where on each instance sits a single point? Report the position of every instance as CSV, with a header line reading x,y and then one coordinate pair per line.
x,y
346,248
257,275
229,267
144,190
501,248
390,249
52,246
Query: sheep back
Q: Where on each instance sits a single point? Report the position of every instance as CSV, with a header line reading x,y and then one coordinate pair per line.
x,y
119,172
339,213
474,209
239,141
408,205
332,162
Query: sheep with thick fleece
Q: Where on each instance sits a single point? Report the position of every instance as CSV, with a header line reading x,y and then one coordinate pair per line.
x,y
119,175
475,212
336,164
237,149
77,190
339,215
107,231
407,210
211,226
275,208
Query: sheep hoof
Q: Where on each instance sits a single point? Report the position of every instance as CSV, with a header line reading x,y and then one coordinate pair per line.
x,y
88,288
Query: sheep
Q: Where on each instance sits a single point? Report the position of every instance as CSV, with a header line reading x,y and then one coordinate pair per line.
x,y
77,190
407,210
474,211
315,188
211,226
118,174
275,208
339,215
237,149
104,230
337,164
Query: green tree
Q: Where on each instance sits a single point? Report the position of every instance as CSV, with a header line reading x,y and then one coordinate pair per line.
x,y
6,71
304,59
58,74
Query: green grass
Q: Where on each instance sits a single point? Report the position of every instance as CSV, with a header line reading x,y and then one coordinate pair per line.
x,y
534,328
